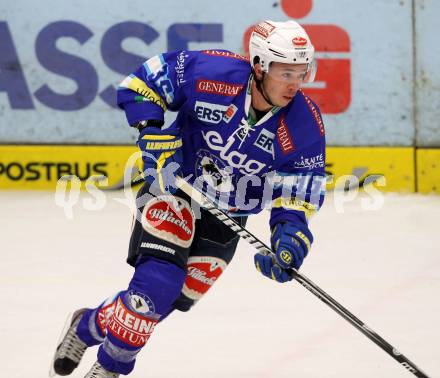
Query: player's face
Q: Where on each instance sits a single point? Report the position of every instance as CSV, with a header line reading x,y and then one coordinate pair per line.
x,y
283,81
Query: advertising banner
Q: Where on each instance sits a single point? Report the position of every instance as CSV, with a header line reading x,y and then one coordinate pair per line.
x,y
59,70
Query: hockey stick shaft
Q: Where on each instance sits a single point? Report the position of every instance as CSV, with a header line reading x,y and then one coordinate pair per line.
x,y
207,204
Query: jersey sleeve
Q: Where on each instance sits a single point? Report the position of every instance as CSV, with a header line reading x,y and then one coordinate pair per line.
x,y
160,84
299,186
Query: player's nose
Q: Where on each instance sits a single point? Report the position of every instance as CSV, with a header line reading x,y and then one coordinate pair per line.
x,y
293,87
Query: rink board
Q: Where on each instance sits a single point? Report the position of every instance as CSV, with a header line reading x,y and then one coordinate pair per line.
x,y
368,164
40,167
428,170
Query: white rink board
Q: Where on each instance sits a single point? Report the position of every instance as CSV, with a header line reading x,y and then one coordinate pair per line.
x,y
383,265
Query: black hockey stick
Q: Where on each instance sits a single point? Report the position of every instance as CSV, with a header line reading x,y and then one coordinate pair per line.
x,y
203,201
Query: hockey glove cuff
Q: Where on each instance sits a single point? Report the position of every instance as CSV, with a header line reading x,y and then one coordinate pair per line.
x,y
290,246
162,157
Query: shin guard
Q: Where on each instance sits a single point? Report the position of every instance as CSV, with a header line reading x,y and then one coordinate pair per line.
x,y
155,286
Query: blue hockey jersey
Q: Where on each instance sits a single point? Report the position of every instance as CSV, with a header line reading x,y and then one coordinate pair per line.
x,y
277,162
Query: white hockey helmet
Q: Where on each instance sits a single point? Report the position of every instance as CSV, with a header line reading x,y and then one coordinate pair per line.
x,y
283,42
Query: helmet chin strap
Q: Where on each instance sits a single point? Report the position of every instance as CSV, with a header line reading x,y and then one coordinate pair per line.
x,y
260,88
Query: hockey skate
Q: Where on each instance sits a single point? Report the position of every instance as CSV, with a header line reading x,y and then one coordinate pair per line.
x,y
70,348
97,371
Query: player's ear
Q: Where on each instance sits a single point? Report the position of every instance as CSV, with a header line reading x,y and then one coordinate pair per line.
x,y
258,71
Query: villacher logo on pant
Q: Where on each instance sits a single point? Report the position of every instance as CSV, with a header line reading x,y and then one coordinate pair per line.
x,y
169,218
202,273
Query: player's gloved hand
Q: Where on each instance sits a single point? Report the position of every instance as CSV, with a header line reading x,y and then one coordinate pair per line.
x,y
290,246
162,157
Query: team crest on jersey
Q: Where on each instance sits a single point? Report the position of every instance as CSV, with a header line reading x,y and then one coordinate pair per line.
x,y
214,171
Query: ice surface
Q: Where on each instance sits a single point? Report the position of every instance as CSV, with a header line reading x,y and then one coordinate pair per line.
x,y
384,266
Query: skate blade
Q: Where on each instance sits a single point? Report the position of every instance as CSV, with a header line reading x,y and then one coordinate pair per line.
x,y
62,335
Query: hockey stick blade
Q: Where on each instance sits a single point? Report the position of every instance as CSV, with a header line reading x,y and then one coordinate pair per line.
x,y
208,205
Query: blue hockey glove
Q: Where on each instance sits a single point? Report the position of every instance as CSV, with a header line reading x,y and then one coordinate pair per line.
x,y
290,246
162,157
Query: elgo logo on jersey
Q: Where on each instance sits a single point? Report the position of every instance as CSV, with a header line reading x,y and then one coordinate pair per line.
x,y
230,154
208,112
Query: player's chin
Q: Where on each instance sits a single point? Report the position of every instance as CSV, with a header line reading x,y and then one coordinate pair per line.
x,y
284,100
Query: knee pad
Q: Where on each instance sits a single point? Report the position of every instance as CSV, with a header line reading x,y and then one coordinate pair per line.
x,y
128,330
131,315
154,287
159,281
210,255
132,321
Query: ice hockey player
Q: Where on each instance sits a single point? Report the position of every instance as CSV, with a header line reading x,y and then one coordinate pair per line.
x,y
244,129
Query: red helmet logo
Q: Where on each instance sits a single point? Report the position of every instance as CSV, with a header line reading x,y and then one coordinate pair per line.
x,y
299,41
